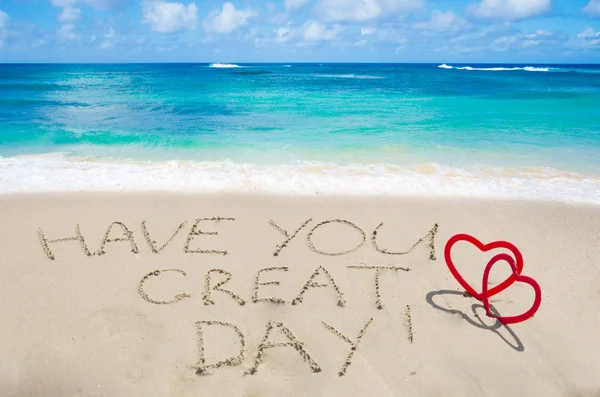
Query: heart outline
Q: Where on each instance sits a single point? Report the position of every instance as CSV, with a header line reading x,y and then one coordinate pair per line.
x,y
484,248
518,278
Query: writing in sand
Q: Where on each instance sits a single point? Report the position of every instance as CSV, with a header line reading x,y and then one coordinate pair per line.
x,y
276,333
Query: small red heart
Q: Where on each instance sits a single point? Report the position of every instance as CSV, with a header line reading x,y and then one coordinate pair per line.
x,y
518,278
482,247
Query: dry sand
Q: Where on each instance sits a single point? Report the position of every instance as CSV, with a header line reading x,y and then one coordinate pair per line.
x,y
79,325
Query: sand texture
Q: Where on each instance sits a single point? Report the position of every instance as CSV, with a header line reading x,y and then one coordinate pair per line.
x,y
233,295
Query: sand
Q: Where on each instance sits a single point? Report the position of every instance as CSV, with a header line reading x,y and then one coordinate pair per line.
x,y
161,303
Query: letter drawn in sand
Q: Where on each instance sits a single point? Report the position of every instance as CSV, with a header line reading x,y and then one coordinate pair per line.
x,y
280,247
378,269
78,237
157,273
430,236
311,284
153,243
217,287
409,325
202,368
197,232
353,345
343,222
293,342
128,236
257,284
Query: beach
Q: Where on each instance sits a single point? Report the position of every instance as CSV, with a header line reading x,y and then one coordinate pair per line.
x,y
299,230
299,198
173,294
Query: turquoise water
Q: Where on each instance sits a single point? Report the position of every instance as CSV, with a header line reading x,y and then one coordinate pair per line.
x,y
476,121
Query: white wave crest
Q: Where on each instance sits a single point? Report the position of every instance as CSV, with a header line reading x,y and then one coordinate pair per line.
x,y
497,69
57,173
224,65
349,76
533,69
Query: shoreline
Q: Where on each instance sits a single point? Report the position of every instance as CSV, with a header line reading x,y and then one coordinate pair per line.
x,y
297,197
45,174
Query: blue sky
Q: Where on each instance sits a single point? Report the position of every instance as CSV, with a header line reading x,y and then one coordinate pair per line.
x,y
494,31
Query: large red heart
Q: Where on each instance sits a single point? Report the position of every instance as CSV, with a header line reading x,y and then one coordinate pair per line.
x,y
518,278
482,247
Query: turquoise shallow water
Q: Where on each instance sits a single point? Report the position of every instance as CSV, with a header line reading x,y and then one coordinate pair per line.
x,y
514,121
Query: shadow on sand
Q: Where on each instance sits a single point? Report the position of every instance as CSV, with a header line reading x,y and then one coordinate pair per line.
x,y
517,345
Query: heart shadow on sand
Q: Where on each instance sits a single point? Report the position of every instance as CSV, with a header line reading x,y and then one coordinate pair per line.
x,y
495,327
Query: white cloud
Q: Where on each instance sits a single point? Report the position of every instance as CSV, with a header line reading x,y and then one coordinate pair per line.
x,y
69,14
367,31
527,41
443,22
588,32
284,34
592,8
361,43
67,32
535,39
491,38
253,34
363,10
228,20
509,10
314,31
110,34
539,33
4,19
589,39
504,43
110,38
169,17
291,5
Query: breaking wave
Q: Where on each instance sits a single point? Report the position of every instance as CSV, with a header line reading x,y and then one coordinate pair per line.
x,y
496,69
349,76
57,173
224,65
525,68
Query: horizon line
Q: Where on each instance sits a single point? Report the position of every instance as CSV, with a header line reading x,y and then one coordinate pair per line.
x,y
293,63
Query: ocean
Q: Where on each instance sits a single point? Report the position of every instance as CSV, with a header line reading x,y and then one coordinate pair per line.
x,y
527,131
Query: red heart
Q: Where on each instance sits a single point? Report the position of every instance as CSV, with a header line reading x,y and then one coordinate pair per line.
x,y
518,278
482,247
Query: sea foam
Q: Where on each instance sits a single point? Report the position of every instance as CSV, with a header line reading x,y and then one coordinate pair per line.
x,y
57,173
224,65
350,76
496,69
